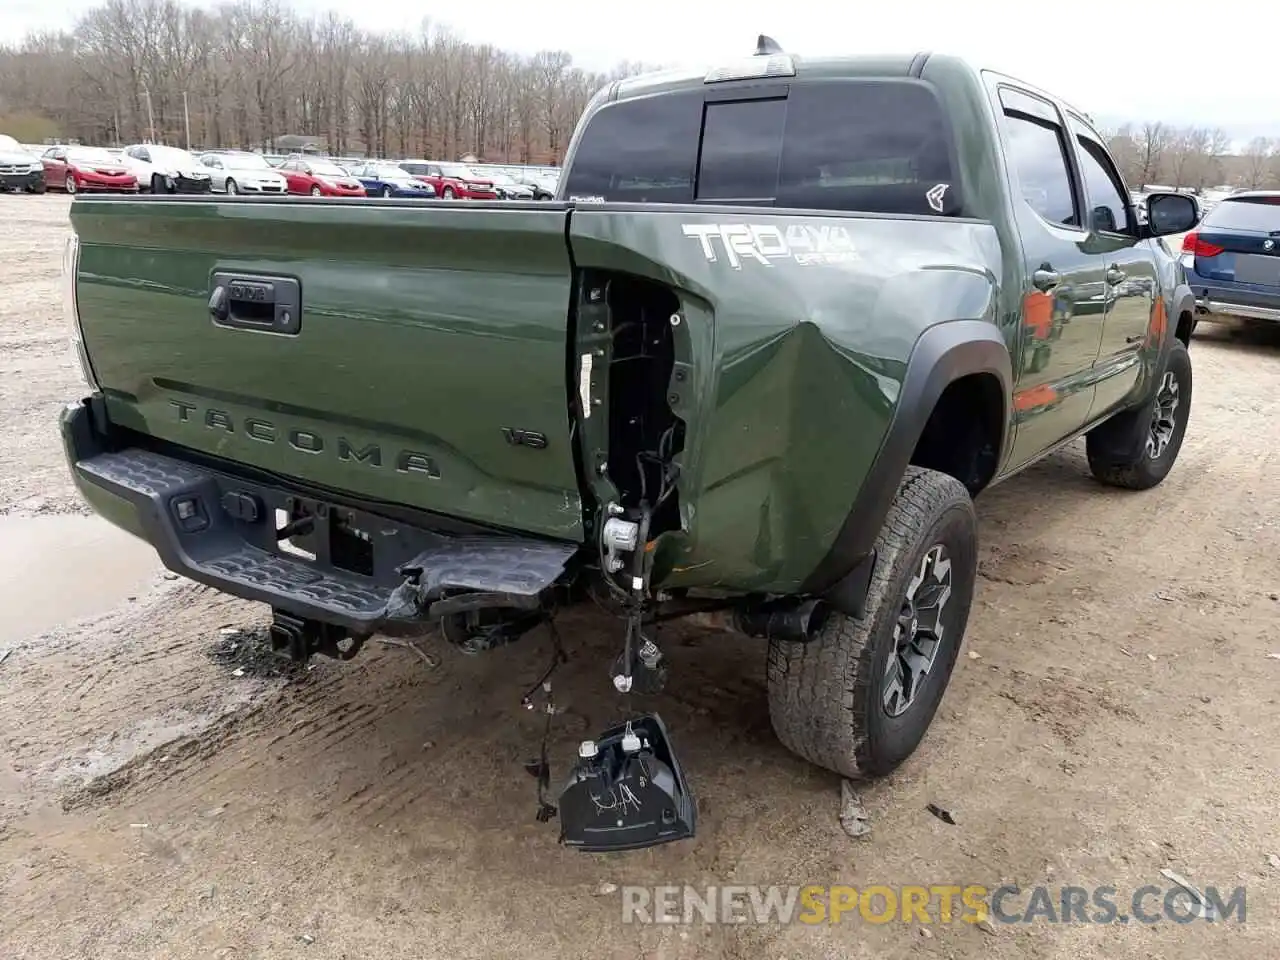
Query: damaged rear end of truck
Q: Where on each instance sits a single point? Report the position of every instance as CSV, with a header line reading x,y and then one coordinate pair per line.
x,y
677,388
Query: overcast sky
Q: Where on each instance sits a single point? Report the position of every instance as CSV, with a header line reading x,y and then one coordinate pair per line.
x,y
1116,59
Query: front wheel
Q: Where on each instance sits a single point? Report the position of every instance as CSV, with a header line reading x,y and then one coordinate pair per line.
x,y
858,698
232,187
1136,449
316,191
386,191
448,193
158,184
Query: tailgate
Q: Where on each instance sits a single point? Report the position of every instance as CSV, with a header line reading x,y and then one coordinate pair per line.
x,y
423,364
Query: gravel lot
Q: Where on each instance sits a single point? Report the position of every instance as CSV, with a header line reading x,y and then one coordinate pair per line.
x,y
167,791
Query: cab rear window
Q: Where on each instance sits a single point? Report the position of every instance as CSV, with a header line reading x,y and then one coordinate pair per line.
x,y
879,146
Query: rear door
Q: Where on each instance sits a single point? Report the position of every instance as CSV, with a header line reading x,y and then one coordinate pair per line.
x,y
55,166
1064,297
1238,245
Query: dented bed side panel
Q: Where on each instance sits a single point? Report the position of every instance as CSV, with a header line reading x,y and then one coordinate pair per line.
x,y
801,328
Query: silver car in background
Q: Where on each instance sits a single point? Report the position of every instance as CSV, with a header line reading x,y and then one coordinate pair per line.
x,y
240,171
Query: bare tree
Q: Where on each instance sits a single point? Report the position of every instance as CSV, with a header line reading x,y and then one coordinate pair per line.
x,y
1257,160
254,70
1152,143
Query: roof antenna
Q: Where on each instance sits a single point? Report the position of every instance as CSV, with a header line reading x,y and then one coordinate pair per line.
x,y
767,46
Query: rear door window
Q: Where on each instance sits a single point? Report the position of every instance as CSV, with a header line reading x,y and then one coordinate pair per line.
x,y
879,146
1261,215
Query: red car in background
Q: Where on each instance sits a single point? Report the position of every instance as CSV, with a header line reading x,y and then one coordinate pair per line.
x,y
320,178
86,168
451,180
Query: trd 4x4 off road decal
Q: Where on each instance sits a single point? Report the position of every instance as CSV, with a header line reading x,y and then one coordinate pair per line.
x,y
765,243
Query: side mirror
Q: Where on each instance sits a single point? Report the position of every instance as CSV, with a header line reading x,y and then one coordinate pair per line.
x,y
1169,213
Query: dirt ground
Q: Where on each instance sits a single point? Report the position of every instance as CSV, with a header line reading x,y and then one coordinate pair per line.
x,y
166,790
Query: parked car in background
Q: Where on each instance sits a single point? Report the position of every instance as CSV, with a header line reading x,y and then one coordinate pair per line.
x,y
508,188
319,178
240,171
386,179
451,180
543,187
20,169
87,168
1232,260
161,169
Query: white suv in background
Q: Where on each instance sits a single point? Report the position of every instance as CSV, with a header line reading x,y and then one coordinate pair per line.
x,y
162,169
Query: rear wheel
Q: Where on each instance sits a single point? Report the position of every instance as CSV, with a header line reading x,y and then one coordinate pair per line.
x,y
1137,449
70,184
858,698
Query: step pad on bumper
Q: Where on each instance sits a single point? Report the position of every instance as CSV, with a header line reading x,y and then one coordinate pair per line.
x,y
182,508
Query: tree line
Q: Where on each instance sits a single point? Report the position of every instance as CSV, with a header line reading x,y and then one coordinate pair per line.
x,y
245,73
1195,157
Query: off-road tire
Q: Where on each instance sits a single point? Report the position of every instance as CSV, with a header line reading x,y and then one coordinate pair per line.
x,y
1118,452
826,696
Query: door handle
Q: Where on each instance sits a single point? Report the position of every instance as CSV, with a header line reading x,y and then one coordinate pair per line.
x,y
1115,275
1045,279
266,304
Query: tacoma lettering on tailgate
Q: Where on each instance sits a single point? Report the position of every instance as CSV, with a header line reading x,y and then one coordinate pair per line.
x,y
306,441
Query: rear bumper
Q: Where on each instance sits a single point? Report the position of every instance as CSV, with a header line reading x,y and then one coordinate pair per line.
x,y
368,574
1230,299
1228,309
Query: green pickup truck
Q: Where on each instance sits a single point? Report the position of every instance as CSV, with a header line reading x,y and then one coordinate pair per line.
x,y
783,321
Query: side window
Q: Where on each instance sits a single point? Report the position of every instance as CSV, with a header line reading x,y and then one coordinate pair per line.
x,y
1110,214
1037,152
144,155
645,150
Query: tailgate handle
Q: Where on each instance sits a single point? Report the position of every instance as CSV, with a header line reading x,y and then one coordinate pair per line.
x,y
264,304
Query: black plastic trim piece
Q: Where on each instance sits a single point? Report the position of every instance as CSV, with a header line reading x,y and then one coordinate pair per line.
x,y
943,354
